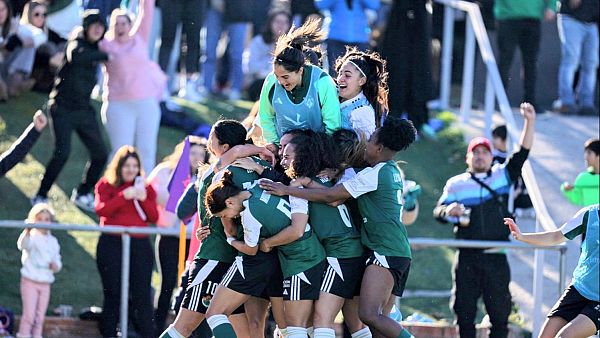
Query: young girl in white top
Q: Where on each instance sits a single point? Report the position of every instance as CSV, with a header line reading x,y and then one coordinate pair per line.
x,y
363,91
40,259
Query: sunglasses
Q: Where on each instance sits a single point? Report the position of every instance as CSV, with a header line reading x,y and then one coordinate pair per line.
x,y
38,14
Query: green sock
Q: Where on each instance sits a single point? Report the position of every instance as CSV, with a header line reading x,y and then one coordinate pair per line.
x,y
221,327
405,334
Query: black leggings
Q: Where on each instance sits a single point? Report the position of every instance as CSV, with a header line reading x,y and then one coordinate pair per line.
x,y
190,13
108,260
84,123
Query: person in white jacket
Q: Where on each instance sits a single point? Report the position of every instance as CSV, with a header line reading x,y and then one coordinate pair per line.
x,y
40,259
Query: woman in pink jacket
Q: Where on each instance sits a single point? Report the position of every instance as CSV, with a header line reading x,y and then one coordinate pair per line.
x,y
133,84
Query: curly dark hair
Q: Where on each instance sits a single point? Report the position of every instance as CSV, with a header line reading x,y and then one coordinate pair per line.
x,y
291,49
312,153
396,133
218,192
375,87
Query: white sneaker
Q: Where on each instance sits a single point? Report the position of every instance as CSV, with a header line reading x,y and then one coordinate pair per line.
x,y
37,199
85,202
189,92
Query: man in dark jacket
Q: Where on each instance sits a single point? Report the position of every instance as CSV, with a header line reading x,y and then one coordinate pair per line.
x,y
475,202
71,111
21,147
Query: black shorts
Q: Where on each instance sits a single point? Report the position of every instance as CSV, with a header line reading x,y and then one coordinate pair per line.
x,y
398,267
343,276
304,285
205,276
572,303
250,275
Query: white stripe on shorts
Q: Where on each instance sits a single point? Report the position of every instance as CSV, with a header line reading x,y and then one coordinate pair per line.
x,y
328,279
195,297
229,275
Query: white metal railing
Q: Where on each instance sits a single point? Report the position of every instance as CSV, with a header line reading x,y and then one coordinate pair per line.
x,y
126,233
494,91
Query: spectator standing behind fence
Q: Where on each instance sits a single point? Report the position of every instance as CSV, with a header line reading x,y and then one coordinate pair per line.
x,y
519,25
578,33
584,191
122,198
167,247
8,28
577,312
349,27
41,260
190,14
297,95
133,84
71,111
32,33
475,203
23,144
259,60
232,16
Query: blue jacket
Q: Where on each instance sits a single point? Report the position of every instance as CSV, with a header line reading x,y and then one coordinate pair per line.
x,y
348,25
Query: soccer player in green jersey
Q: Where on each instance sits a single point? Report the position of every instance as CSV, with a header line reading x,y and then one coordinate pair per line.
x,y
214,256
378,190
306,155
264,216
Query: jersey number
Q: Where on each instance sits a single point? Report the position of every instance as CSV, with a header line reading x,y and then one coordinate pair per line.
x,y
284,206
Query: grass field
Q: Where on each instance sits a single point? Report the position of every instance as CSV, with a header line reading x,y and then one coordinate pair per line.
x,y
428,162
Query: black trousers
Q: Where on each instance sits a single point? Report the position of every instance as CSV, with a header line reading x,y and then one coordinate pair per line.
x,y
84,123
108,260
167,254
190,13
476,274
525,34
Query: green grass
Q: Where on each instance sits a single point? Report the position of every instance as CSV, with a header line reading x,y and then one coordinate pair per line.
x,y
428,162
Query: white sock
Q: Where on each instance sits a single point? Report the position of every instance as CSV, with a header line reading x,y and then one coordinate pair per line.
x,y
362,333
172,332
310,331
296,332
324,332
216,320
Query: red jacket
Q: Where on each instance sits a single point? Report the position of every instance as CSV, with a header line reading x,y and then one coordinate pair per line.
x,y
114,209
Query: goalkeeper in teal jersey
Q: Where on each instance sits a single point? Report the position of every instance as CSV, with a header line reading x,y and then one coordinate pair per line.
x,y
214,256
306,155
254,272
378,190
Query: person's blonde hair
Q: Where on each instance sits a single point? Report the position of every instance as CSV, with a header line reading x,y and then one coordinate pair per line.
x,y
38,209
116,13
30,6
113,170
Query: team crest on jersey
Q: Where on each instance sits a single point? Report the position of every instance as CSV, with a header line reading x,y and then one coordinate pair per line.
x,y
206,300
286,284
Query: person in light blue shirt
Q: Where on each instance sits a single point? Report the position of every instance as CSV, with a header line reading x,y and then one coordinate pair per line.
x,y
349,26
577,312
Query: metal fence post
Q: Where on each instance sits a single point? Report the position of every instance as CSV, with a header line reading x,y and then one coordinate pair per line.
x,y
468,70
447,46
538,285
490,102
125,259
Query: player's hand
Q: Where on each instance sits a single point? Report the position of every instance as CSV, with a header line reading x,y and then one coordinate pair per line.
x,y
265,247
202,233
39,120
247,163
268,155
455,209
272,147
514,228
527,111
568,186
273,188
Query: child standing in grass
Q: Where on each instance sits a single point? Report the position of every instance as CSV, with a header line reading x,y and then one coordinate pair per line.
x,y
40,259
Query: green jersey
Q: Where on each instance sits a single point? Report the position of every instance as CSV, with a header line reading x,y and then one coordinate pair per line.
x,y
213,247
378,190
264,216
332,225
